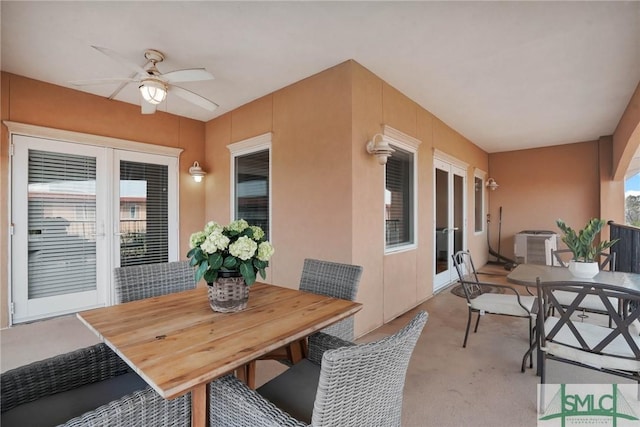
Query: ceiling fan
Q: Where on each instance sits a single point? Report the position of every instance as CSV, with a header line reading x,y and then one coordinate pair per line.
x,y
153,84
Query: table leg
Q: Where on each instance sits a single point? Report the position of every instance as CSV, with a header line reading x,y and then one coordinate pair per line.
x,y
199,407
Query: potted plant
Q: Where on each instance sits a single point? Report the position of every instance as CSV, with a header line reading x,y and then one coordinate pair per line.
x,y
229,258
584,263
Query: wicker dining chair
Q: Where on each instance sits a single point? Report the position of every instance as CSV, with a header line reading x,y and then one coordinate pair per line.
x,y
341,384
323,278
137,282
87,387
335,280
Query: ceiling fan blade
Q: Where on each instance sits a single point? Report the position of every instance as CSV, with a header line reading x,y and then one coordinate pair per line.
x,y
147,107
194,98
122,60
122,86
101,81
187,75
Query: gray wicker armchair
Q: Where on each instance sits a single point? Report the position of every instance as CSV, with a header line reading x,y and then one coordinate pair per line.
x,y
87,387
335,280
323,278
355,385
151,280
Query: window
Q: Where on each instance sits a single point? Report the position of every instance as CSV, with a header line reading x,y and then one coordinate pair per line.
x,y
478,191
399,199
251,181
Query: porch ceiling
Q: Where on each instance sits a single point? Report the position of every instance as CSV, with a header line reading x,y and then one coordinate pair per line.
x,y
507,75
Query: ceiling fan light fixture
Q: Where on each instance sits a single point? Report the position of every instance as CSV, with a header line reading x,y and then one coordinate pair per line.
x,y
153,91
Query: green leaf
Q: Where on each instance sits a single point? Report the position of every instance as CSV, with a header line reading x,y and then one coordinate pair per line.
x,y
230,262
258,264
192,252
201,270
249,274
210,276
215,261
263,273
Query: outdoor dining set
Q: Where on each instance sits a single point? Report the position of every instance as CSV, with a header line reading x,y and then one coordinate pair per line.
x,y
592,323
167,359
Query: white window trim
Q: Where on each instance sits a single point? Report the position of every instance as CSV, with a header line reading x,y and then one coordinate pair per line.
x,y
479,173
408,143
241,148
90,139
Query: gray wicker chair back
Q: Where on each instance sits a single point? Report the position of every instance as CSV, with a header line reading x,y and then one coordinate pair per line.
x,y
51,378
362,385
151,280
335,280
357,385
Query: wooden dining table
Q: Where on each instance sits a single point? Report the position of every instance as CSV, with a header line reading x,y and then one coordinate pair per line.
x,y
177,344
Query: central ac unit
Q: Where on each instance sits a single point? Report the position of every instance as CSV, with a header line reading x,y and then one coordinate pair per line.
x,y
534,246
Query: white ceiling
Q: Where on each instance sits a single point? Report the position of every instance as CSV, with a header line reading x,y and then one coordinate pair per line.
x,y
506,75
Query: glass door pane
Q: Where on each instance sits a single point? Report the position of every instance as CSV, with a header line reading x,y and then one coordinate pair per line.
x,y
449,221
62,224
59,253
144,231
442,220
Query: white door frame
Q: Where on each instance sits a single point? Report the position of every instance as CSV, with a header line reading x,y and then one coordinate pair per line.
x,y
453,167
23,308
96,142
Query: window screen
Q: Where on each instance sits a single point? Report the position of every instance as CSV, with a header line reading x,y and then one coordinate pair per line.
x,y
479,204
144,230
252,189
399,199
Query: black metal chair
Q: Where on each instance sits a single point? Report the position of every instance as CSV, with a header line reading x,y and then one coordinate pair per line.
x,y
605,260
566,338
512,304
590,304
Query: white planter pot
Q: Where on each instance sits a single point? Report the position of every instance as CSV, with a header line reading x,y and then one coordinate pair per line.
x,y
583,270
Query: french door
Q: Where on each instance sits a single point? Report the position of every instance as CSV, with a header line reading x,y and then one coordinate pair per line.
x,y
77,212
449,219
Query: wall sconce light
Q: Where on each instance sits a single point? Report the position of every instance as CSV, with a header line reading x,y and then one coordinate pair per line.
x,y
196,172
492,184
381,148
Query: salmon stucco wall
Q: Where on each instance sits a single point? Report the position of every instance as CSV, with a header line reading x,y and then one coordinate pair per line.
x,y
328,192
396,282
311,176
538,186
38,103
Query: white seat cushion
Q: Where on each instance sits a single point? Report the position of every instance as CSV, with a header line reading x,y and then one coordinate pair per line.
x,y
503,304
590,302
592,335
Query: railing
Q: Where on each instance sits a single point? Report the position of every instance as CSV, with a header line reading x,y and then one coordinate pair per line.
x,y
627,249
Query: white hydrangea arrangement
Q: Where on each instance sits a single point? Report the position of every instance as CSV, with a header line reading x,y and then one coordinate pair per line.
x,y
237,246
